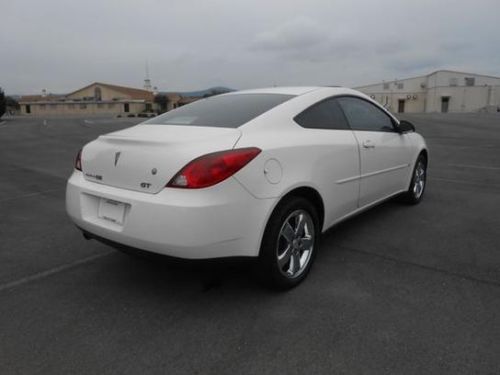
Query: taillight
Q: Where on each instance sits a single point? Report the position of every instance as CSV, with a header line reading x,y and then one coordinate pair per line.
x,y
210,169
78,161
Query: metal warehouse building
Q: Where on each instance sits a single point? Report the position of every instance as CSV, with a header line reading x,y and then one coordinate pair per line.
x,y
441,91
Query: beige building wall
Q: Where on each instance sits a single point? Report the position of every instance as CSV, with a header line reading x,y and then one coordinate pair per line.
x,y
75,108
95,99
438,92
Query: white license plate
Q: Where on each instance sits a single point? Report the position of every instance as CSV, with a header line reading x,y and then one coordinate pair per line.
x,y
111,210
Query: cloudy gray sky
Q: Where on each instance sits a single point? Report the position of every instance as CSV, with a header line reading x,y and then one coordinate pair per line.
x,y
62,45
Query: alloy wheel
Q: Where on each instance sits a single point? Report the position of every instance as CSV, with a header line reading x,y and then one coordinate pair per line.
x,y
295,243
419,180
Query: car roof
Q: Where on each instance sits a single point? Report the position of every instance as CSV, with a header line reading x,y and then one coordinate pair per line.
x,y
295,90
303,98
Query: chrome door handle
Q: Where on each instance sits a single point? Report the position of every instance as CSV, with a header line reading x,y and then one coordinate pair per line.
x,y
368,144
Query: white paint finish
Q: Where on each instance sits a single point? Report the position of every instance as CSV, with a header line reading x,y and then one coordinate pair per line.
x,y
223,220
381,163
143,148
229,219
310,157
273,171
299,90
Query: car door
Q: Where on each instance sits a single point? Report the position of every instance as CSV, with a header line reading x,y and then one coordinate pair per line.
x,y
338,169
384,152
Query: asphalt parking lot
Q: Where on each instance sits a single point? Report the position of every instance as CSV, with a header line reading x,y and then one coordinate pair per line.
x,y
397,290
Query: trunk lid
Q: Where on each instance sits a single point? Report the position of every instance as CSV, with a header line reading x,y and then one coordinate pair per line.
x,y
145,157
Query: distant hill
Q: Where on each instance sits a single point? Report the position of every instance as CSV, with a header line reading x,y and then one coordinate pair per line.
x,y
209,91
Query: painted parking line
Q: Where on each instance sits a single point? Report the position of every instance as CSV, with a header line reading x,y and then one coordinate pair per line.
x,y
474,166
465,182
52,271
30,195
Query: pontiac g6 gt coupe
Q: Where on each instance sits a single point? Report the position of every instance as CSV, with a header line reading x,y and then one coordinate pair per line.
x,y
256,173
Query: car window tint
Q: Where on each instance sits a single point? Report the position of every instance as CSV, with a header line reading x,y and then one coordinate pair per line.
x,y
324,115
224,111
365,116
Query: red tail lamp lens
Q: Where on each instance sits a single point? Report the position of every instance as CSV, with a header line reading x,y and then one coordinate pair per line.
x,y
78,161
210,169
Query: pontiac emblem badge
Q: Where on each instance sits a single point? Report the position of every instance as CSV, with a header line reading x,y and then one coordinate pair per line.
x,y
117,157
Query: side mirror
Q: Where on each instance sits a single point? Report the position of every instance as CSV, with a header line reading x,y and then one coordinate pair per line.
x,y
406,127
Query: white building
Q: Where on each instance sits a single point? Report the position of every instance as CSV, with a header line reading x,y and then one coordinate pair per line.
x,y
441,91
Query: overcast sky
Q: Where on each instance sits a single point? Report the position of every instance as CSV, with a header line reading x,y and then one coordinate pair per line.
x,y
62,45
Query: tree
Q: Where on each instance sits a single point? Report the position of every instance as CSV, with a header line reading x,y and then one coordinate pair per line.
x,y
162,101
12,104
3,103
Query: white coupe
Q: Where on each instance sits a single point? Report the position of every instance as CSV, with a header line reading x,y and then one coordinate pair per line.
x,y
256,173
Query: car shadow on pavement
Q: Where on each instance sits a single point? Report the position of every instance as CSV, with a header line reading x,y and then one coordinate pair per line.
x,y
207,275
240,273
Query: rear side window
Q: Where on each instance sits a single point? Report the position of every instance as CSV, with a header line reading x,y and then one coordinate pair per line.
x,y
224,111
365,116
323,115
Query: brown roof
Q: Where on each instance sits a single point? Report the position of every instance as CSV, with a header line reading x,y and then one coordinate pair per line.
x,y
130,91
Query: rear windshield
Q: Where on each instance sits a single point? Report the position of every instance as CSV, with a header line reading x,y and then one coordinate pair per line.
x,y
224,111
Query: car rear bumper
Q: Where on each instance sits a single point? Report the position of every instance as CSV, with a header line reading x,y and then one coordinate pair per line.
x,y
221,221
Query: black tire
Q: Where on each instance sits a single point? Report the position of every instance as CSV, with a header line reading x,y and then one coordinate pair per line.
x,y
269,268
414,195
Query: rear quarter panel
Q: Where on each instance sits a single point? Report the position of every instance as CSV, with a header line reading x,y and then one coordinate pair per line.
x,y
313,158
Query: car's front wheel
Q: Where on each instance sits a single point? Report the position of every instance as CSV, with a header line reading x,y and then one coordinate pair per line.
x,y
290,243
418,182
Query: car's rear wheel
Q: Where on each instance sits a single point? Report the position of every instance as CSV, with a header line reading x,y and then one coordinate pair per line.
x,y
418,182
290,243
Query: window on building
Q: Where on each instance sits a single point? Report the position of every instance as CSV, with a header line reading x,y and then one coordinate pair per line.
x,y
324,115
98,94
111,105
470,81
100,105
126,107
454,81
83,106
42,107
363,115
400,85
28,108
386,86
